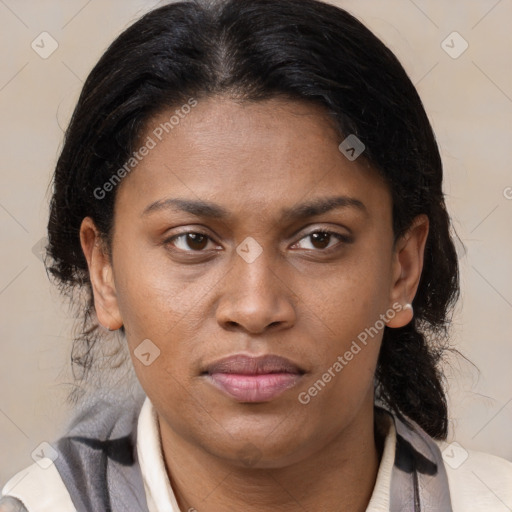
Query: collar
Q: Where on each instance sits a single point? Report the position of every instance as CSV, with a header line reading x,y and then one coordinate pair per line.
x,y
411,474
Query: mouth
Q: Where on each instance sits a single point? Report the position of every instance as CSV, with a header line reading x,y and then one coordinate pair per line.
x,y
253,379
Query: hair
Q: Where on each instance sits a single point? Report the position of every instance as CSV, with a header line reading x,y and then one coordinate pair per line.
x,y
254,50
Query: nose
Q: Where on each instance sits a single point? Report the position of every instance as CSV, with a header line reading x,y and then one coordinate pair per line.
x,y
255,298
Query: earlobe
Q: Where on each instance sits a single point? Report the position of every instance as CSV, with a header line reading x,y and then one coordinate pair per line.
x,y
101,276
404,313
407,268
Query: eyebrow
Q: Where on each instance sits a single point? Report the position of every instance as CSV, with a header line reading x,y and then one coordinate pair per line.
x,y
201,208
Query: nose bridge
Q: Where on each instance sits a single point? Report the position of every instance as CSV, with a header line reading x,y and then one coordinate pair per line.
x,y
252,259
254,297
253,272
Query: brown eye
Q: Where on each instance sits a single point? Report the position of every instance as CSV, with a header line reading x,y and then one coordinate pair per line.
x,y
322,240
190,242
196,241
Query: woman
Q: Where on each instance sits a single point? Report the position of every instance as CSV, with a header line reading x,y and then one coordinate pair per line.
x,y
251,193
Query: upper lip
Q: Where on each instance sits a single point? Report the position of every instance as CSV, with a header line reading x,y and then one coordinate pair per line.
x,y
249,365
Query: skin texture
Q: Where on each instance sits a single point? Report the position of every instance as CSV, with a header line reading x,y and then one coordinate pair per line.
x,y
295,300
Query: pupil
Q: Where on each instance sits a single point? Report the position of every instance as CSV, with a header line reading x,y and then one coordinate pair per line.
x,y
322,238
196,241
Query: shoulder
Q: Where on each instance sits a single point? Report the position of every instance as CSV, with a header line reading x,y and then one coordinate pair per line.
x,y
478,481
96,455
37,488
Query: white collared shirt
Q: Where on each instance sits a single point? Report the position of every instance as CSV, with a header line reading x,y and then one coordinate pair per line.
x,y
159,494
483,483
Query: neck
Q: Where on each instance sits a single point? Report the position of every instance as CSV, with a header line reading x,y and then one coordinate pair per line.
x,y
337,478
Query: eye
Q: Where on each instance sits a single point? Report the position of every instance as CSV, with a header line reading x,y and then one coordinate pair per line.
x,y
321,239
190,241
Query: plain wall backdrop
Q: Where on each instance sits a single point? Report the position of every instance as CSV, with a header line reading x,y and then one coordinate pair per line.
x,y
49,47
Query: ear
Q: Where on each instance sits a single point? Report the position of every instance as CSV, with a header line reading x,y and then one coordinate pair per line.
x,y
406,269
101,276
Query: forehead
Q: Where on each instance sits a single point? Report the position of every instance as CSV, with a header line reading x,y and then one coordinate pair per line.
x,y
256,155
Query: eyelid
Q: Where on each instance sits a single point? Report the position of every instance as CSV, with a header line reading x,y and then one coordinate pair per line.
x,y
317,227
172,238
343,238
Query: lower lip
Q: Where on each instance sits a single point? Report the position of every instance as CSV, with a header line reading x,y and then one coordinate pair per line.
x,y
254,388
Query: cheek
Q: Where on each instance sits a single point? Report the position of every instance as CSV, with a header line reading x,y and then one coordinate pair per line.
x,y
349,335
154,295
348,327
165,305
353,297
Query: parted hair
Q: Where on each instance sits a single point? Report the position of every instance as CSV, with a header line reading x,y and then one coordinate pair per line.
x,y
253,50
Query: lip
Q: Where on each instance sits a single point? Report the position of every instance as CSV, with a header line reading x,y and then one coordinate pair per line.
x,y
253,379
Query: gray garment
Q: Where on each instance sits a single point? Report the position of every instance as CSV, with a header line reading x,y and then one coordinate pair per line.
x,y
99,467
9,504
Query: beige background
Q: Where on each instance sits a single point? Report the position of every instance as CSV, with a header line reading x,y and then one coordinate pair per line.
x,y
469,100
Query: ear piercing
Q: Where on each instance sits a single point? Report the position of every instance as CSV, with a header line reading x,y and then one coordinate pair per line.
x,y
408,306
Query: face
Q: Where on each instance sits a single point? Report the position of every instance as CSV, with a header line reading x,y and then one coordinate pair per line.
x,y
246,232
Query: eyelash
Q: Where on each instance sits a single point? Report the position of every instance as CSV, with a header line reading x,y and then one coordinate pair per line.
x,y
343,239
